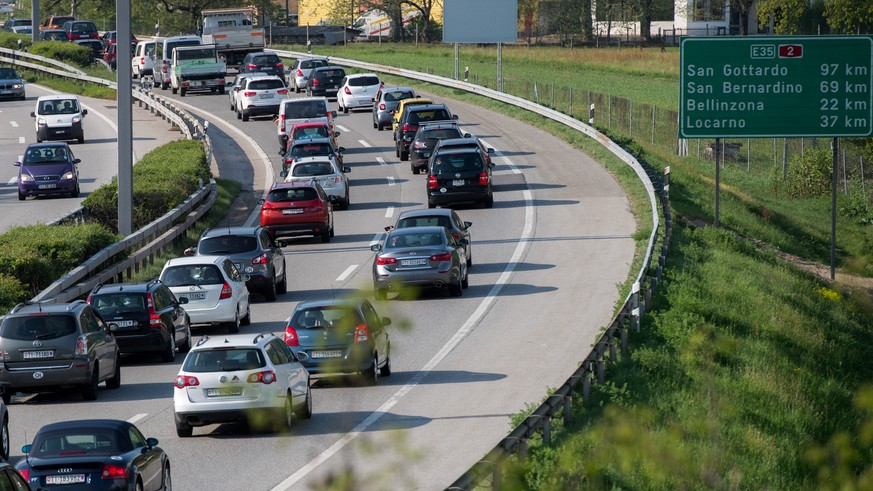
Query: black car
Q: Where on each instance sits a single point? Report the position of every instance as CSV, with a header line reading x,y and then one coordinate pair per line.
x,y
456,175
95,454
264,61
310,147
340,336
253,251
425,140
144,317
12,479
53,35
94,45
324,81
443,217
82,29
410,120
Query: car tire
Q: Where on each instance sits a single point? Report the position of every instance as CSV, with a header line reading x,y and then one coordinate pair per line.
x,y
331,232
182,92
270,292
75,193
21,197
233,326
245,115
175,90
396,150
186,346
166,480
81,140
115,381
385,370
138,486
282,287
325,236
465,282
165,86
456,289
489,202
232,107
376,125
414,168
431,204
305,409
238,115
89,390
370,375
284,417
4,439
168,354
247,319
184,430
404,155
221,90
345,110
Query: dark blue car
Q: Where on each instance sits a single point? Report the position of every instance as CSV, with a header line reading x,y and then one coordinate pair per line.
x,y
48,169
11,85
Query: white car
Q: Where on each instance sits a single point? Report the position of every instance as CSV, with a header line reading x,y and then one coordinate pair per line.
x,y
259,96
59,117
233,87
255,380
215,289
302,110
357,91
327,172
143,61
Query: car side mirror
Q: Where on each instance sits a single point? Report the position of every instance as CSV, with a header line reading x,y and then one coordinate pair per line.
x,y
152,442
490,151
463,242
341,149
332,198
336,134
17,164
282,152
281,243
191,251
347,169
284,173
386,321
182,300
26,449
467,225
376,247
32,114
389,228
333,114
467,135
261,201
77,161
84,112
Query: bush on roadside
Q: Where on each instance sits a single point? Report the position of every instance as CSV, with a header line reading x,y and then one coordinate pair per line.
x,y
11,292
65,52
808,175
10,40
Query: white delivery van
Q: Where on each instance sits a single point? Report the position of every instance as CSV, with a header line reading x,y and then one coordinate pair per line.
x,y
59,117
143,61
164,56
302,110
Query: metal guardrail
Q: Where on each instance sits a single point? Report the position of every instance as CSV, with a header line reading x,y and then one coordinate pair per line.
x,y
593,367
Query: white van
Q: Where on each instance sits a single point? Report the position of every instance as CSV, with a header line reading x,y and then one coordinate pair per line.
x,y
302,110
164,57
59,117
143,61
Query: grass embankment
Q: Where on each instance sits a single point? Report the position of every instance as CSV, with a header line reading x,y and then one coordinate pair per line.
x,y
746,373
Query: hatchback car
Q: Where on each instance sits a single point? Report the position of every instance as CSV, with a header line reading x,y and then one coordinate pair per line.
x,y
13,22
385,102
53,35
456,175
23,30
215,289
297,208
324,81
425,257
260,96
358,91
235,86
253,251
263,61
425,140
144,317
340,336
94,454
59,117
81,29
306,131
410,120
301,69
327,172
256,380
48,169
443,217
310,147
60,345
402,107
11,84
143,60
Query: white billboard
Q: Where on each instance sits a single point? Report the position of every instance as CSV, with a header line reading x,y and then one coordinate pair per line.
x,y
480,21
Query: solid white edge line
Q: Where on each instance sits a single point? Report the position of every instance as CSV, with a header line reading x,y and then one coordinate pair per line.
x,y
351,269
465,329
13,180
342,128
381,161
364,143
389,212
136,417
390,180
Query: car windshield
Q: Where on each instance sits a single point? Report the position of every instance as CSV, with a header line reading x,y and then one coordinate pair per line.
x,y
45,155
266,60
38,327
312,169
305,109
265,84
308,64
227,244
119,303
430,221
396,241
192,274
8,74
309,132
449,164
330,317
311,150
224,360
59,106
292,194
80,442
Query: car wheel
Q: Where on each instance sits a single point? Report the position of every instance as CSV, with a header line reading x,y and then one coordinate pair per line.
x,y
169,353
345,110
396,150
370,375
187,344
175,90
270,292
285,417
469,260
413,167
182,92
377,125
138,486
184,430
385,370
89,390
75,193
465,283
489,201
81,140
233,326
167,481
325,235
282,288
404,155
238,115
456,289
221,90
4,439
431,204
232,108
247,319
305,409
331,232
21,197
165,86
245,115
115,381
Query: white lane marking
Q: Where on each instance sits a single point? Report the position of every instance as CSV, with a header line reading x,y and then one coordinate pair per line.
x,y
342,128
13,181
351,269
137,417
381,161
472,321
389,212
390,180
21,140
265,160
364,143
14,124
376,239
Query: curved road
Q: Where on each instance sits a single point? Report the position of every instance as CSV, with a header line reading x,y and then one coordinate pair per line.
x,y
547,259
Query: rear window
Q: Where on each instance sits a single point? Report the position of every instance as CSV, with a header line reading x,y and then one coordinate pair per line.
x,y
396,241
266,60
224,360
311,150
305,109
398,96
440,221
331,317
445,164
176,44
119,303
292,194
83,27
265,84
431,115
440,134
310,132
38,327
80,442
363,81
192,274
195,54
307,64
312,169
227,244
330,74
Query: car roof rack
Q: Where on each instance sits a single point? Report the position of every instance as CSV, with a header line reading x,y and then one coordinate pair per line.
x,y
76,303
96,288
202,340
261,336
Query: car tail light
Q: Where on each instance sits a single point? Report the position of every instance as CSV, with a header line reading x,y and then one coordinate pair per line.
x,y
183,381
282,91
252,67
442,257
221,81
483,179
262,259
154,316
291,336
315,82
289,161
382,261
249,94
347,91
226,291
418,145
361,333
114,471
282,123
299,73
81,347
185,84
382,107
142,60
280,65
269,205
164,68
431,182
25,473
456,236
266,377
406,127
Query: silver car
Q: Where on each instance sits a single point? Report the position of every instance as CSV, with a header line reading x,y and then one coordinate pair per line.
x,y
11,85
386,101
302,68
423,257
327,171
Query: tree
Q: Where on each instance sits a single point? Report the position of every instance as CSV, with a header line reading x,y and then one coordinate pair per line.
x,y
744,9
786,15
849,16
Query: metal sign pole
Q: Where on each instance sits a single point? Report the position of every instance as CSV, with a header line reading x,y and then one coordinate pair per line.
x,y
34,21
125,119
717,176
835,147
500,67
457,61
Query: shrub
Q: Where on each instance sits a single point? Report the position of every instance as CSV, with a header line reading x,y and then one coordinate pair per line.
x,y
64,52
9,40
808,175
11,292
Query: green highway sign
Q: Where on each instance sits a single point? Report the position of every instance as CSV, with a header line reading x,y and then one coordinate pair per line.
x,y
776,86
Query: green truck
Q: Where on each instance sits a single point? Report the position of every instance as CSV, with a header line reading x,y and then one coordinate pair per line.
x,y
197,68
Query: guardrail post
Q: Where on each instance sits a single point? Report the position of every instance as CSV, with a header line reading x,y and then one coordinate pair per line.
x,y
613,352
497,476
601,371
568,409
547,430
523,449
635,308
624,349
586,388
647,303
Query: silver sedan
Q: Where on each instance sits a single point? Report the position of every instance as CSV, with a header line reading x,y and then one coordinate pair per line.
x,y
423,257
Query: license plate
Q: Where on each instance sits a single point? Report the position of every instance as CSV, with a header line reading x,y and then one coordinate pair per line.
x,y
60,132
232,391
4,92
47,186
35,355
292,211
413,262
326,354
65,479
124,323
193,296
425,154
195,83
458,182
266,96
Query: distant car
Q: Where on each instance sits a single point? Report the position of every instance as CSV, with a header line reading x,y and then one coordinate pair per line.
x,y
340,336
144,317
71,338
143,60
94,45
11,84
385,101
48,169
235,86
59,117
443,217
95,454
301,69
302,110
297,208
110,56
13,22
264,61
307,131
25,30
327,172
109,37
357,91
253,251
324,81
260,96
457,175
56,22
310,147
53,35
81,29
426,139
215,289
410,120
255,380
423,257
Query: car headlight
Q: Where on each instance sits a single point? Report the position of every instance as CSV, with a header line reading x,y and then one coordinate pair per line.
x,y
17,86
40,121
76,119
25,178
68,175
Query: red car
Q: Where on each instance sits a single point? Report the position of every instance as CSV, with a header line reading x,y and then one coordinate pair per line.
x,y
304,131
297,208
